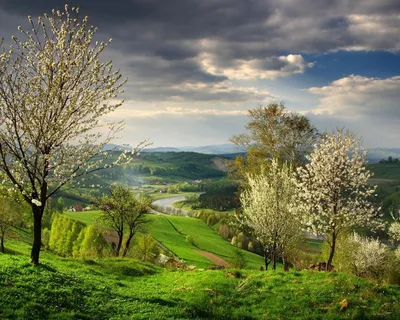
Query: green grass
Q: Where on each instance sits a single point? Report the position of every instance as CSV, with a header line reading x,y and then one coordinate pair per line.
x,y
171,231
385,172
206,239
164,232
87,217
187,205
127,289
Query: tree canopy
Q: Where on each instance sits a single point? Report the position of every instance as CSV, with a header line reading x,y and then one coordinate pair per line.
x,y
334,194
54,91
273,132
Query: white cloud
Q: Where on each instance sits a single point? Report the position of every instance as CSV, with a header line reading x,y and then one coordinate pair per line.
x,y
265,68
356,97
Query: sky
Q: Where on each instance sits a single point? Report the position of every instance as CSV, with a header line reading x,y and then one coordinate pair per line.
x,y
195,67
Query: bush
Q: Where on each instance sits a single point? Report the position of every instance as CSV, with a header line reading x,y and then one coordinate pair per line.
x,y
64,233
45,238
148,250
369,256
190,240
366,257
394,232
302,260
238,259
234,241
93,244
211,220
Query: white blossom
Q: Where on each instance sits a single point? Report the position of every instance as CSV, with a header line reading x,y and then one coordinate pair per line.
x,y
333,189
368,255
54,90
268,208
36,202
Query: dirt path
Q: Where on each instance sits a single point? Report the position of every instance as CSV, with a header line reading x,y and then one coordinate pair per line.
x,y
217,260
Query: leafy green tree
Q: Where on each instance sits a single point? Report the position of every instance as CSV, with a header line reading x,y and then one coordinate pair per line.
x,y
76,248
93,243
60,205
73,236
9,215
122,211
147,248
135,218
273,132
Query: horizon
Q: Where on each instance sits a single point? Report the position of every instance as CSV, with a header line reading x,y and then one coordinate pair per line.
x,y
193,76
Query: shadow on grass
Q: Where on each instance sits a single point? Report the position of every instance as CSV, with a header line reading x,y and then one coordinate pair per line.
x,y
13,252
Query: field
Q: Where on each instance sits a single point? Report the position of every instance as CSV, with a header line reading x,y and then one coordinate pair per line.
x,y
127,289
183,236
187,205
172,231
385,172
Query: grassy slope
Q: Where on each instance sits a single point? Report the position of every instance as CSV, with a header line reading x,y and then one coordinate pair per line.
x,y
187,205
171,231
127,289
385,172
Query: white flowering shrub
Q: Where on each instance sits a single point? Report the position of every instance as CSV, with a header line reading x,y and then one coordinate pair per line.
x,y
54,90
369,256
333,190
269,210
397,253
394,232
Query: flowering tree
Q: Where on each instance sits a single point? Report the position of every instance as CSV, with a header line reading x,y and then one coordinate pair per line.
x,y
54,89
268,210
333,189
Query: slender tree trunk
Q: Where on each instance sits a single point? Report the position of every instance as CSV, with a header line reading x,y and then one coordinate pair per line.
x,y
274,257
37,234
127,243
285,263
2,243
332,252
266,259
119,245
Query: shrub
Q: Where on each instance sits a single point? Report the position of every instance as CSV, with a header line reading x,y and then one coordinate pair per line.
x,y
190,240
243,240
45,238
93,244
147,250
394,232
234,241
238,259
369,256
211,220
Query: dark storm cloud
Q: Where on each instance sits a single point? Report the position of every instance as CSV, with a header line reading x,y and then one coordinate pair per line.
x,y
172,71
167,43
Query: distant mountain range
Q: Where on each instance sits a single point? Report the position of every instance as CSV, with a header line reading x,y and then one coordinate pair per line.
x,y
374,154
226,148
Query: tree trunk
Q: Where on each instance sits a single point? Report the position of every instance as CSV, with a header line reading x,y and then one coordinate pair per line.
x,y
332,252
274,257
127,244
119,245
285,264
2,243
37,234
266,260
